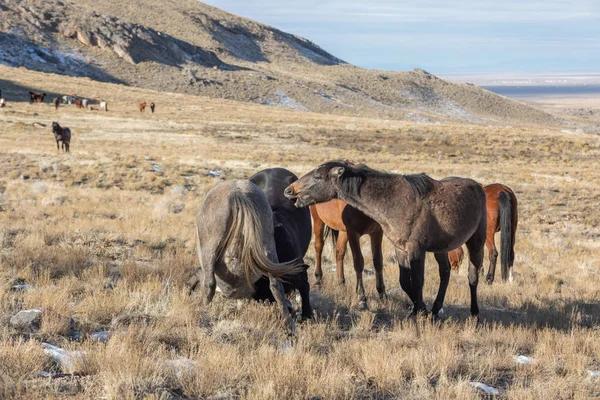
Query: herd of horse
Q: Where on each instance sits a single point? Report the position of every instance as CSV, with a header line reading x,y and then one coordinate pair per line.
x,y
251,236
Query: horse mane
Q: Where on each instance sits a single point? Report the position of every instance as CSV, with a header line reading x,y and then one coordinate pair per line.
x,y
420,183
355,174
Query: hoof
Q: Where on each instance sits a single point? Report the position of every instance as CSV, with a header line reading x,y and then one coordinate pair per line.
x,y
383,296
362,305
341,282
489,280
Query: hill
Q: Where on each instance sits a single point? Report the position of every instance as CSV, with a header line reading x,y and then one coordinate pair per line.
x,y
189,47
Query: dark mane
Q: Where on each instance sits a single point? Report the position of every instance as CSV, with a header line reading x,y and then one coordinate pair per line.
x,y
354,175
420,183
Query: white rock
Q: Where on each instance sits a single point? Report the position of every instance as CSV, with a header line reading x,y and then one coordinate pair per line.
x,y
215,172
101,336
27,319
593,374
66,359
487,389
181,366
523,360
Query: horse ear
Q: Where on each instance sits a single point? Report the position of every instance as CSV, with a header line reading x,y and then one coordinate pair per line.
x,y
337,172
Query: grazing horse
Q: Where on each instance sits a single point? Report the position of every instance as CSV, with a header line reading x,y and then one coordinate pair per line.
x,y
236,246
292,234
36,97
502,216
350,223
103,105
62,135
56,102
143,106
417,213
78,103
152,105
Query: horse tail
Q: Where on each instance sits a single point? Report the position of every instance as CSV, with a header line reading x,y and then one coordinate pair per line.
x,y
507,252
246,236
334,237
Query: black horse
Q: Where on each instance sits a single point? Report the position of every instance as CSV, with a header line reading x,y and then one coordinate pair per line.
x,y
292,230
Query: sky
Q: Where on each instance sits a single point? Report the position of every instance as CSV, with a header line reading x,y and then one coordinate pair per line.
x,y
460,36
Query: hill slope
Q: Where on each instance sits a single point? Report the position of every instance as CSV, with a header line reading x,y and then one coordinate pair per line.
x,y
187,46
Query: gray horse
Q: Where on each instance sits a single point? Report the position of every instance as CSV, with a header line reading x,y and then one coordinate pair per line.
x,y
236,246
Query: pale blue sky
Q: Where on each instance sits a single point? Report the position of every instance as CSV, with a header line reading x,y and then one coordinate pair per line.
x,y
442,36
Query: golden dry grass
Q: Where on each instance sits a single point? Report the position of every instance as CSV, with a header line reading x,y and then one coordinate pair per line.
x,y
107,242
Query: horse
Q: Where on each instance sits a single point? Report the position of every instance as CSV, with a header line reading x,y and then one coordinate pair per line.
x,y
2,102
103,105
502,216
84,103
56,102
152,105
292,230
62,134
416,212
236,246
67,99
78,103
36,97
347,224
143,106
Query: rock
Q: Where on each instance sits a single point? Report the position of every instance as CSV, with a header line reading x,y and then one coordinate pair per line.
x,y
27,319
524,360
101,336
67,360
181,366
487,389
593,374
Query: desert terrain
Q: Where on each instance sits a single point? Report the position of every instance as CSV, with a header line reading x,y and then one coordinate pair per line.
x,y
102,241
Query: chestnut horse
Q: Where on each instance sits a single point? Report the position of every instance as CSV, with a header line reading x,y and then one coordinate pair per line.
x,y
351,224
417,213
143,106
502,216
36,97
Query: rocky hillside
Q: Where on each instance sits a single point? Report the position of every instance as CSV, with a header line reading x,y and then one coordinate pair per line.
x,y
190,47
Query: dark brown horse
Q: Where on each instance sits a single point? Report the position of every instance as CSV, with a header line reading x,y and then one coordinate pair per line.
x,y
36,97
351,224
502,216
62,135
56,102
143,106
417,213
152,105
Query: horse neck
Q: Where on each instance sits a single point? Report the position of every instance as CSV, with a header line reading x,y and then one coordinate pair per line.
x,y
377,194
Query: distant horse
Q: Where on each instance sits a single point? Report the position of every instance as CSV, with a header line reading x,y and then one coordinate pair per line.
x,y
56,102
143,106
502,216
292,234
62,135
78,103
152,105
84,103
103,105
417,213
347,224
236,246
36,97
2,102
67,99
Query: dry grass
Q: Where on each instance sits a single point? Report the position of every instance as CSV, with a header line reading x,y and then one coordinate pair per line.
x,y
107,243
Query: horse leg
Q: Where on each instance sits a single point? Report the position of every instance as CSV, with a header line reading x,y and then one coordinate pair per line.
x,y
456,256
359,265
318,228
444,267
340,253
57,146
405,281
490,244
475,246
284,304
376,251
417,277
303,287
